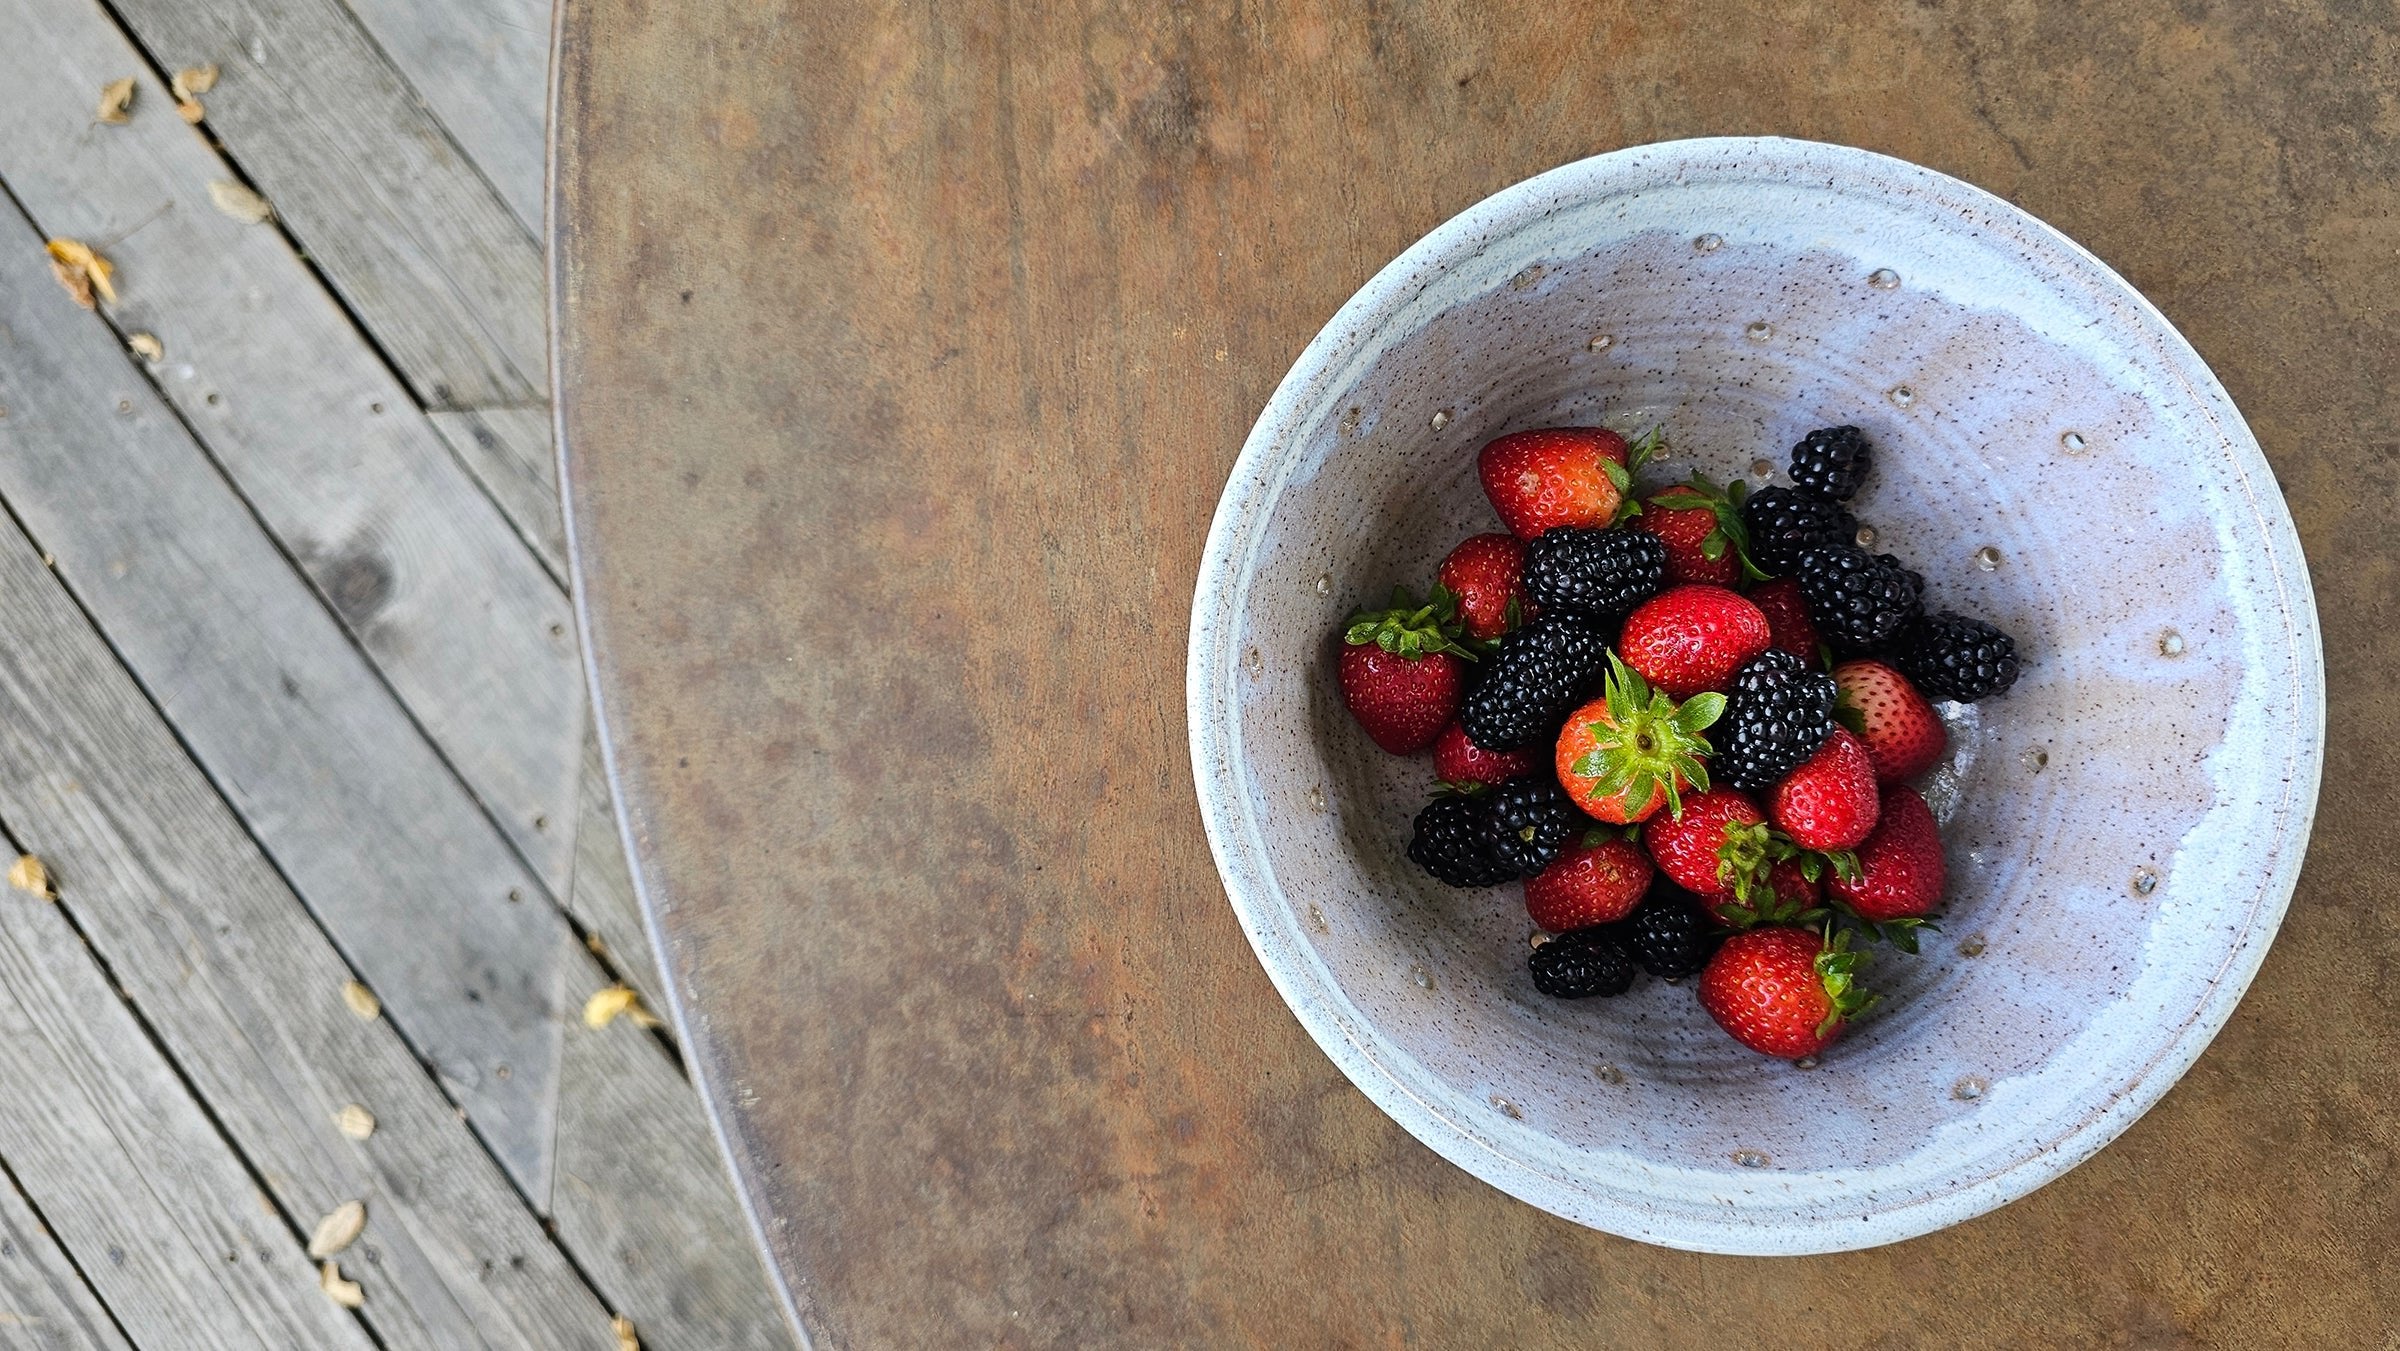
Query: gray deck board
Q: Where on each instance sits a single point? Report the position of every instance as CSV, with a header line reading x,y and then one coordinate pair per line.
x,y
411,234
129,1172
243,991
325,445
45,1304
332,565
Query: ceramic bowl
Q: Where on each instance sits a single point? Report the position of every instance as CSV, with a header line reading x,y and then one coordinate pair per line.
x,y
2123,828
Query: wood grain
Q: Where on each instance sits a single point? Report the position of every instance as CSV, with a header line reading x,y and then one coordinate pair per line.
x,y
243,991
128,1170
902,361
409,233
481,67
324,445
392,855
45,1304
509,452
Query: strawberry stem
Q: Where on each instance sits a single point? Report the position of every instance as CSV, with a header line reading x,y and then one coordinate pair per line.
x,y
1648,744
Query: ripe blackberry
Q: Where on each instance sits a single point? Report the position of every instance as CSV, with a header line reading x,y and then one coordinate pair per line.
x,y
1528,821
1782,523
1536,678
1581,964
1858,601
1668,934
1601,574
1831,463
1778,714
1453,842
1949,656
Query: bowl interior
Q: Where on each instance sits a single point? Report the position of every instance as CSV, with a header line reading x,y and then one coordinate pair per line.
x,y
2051,457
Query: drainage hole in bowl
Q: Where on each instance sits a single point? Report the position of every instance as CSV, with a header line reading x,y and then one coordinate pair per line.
x,y
1883,279
1751,1158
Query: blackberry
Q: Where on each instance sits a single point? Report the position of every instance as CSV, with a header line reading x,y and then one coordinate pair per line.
x,y
1778,715
1782,523
1533,682
1528,821
1581,964
1857,601
1831,463
1453,842
1601,574
1949,656
1668,933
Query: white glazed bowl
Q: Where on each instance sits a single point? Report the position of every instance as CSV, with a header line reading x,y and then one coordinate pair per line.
x,y
2123,828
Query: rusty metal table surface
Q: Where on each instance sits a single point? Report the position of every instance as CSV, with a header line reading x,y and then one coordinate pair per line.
x,y
901,353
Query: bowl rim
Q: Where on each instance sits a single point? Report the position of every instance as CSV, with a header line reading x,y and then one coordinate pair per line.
x,y
1378,1068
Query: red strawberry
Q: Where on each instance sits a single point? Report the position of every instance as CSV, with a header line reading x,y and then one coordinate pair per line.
x,y
1794,889
1787,618
1403,702
1900,869
1829,802
1555,476
1633,750
1598,881
1692,638
1460,761
1401,672
1898,727
1783,991
1482,573
1701,525
1692,849
1772,881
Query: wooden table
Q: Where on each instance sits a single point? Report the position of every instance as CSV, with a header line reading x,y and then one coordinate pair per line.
x,y
902,353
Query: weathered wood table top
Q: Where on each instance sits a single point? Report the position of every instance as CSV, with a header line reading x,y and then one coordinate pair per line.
x,y
902,353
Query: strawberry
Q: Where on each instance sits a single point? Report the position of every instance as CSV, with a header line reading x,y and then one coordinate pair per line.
x,y
1482,573
1828,803
1556,476
1401,671
1692,638
1692,849
1598,881
1633,750
1900,870
1794,888
1458,760
1788,624
1783,991
1902,734
1701,525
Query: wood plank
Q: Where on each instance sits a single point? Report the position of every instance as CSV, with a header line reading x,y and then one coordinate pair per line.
x,y
389,852
410,234
375,832
45,1304
127,1169
509,452
243,990
323,442
482,67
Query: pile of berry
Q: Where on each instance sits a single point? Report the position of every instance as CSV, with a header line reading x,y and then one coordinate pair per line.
x,y
1686,720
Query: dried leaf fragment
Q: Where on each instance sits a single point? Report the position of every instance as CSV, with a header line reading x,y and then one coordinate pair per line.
x,y
193,80
604,1007
362,1001
147,347
355,1121
338,1230
81,271
337,1288
31,874
623,1327
239,202
190,111
116,102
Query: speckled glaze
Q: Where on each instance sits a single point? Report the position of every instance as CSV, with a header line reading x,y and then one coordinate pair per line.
x,y
2124,828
